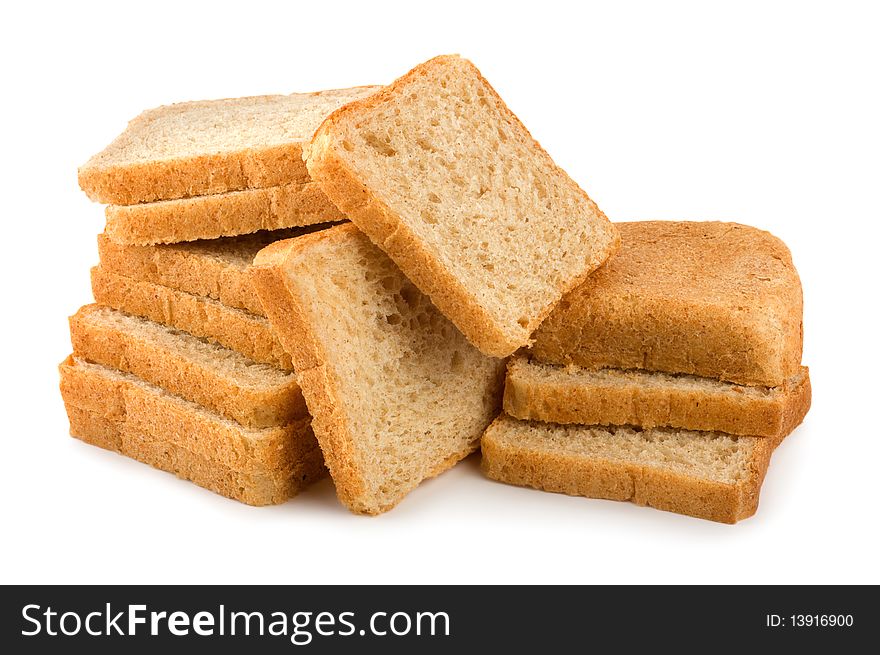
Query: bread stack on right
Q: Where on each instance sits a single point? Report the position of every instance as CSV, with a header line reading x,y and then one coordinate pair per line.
x,y
667,379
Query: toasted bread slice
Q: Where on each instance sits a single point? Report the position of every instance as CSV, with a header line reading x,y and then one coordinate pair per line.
x,y
717,300
558,394
120,412
398,395
223,380
211,146
708,475
444,178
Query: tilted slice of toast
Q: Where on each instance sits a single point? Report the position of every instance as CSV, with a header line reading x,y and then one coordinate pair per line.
x,y
220,215
247,333
647,399
211,146
398,395
223,380
708,475
121,412
444,178
718,300
213,268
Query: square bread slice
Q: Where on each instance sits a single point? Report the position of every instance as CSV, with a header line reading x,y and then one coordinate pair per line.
x,y
238,330
444,178
397,394
718,300
220,215
213,268
223,380
708,475
119,411
211,146
647,399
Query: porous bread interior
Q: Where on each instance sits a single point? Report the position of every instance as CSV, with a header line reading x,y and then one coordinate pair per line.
x,y
244,372
413,391
190,129
710,456
205,414
467,178
239,251
614,377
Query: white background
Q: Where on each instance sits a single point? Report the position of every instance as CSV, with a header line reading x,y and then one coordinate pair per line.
x,y
764,113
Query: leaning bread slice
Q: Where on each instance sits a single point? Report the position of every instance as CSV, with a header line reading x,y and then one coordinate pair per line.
x,y
120,412
709,475
444,178
398,395
559,394
223,380
210,146
718,300
214,268
247,333
220,215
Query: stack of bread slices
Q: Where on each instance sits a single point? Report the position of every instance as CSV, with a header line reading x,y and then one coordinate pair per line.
x,y
354,279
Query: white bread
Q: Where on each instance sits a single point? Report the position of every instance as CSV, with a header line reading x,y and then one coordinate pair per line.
x,y
646,399
220,215
210,146
444,178
397,393
223,380
707,475
238,330
718,300
121,412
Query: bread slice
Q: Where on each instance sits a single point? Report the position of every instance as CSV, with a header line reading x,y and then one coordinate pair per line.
x,y
252,488
442,176
220,215
211,146
557,394
215,268
708,475
220,379
398,395
120,412
247,333
718,300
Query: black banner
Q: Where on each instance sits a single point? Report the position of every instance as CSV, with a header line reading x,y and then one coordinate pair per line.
x,y
434,619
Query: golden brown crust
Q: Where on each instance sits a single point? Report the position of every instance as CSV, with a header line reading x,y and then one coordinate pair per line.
x,y
220,215
195,176
259,487
712,299
566,397
614,480
238,330
386,229
147,409
192,379
318,385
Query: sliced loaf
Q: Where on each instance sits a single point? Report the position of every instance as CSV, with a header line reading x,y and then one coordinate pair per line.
x,y
223,380
444,178
709,475
211,146
558,394
398,395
